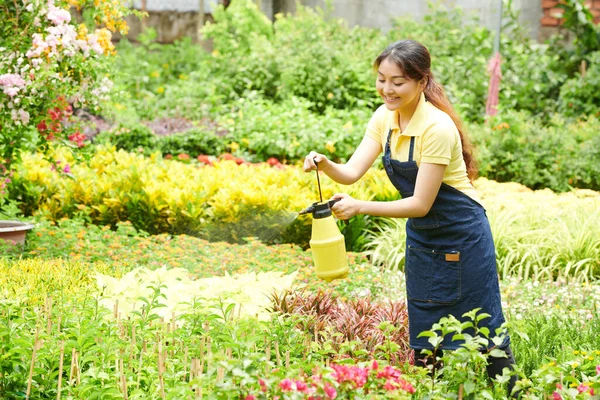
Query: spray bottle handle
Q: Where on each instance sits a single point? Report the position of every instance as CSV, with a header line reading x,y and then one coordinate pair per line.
x,y
330,203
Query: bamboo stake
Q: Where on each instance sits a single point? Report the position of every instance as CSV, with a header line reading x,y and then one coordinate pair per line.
x,y
268,355
35,342
116,309
173,320
460,392
72,366
123,379
77,372
277,356
48,315
208,352
192,369
139,377
185,361
60,368
202,345
287,359
160,371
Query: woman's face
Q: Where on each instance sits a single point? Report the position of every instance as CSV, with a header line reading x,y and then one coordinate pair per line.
x,y
397,90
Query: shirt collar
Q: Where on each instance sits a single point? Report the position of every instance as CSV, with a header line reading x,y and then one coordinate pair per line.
x,y
417,124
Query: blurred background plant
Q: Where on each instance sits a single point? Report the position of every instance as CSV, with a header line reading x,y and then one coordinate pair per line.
x,y
54,65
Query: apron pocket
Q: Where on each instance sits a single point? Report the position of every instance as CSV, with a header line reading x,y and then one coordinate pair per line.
x,y
433,276
430,221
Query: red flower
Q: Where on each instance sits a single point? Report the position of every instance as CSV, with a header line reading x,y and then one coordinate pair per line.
x,y
263,385
228,157
55,114
250,397
204,159
78,138
183,156
273,161
42,127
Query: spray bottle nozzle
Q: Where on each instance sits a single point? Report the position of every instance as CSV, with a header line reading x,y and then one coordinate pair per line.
x,y
319,209
308,210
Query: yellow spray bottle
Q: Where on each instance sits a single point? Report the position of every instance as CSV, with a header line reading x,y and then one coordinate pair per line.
x,y
327,242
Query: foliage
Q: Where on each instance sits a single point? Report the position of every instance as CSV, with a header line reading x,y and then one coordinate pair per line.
x,y
170,80
461,47
559,156
223,202
258,56
288,130
579,94
52,65
558,241
357,328
579,20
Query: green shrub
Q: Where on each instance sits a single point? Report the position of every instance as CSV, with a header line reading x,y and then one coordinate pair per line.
x,y
193,142
580,95
514,147
134,137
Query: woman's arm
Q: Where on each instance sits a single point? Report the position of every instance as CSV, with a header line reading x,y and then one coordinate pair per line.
x,y
429,180
346,174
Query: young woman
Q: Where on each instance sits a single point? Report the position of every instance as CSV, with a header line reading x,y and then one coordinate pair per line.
x,y
450,262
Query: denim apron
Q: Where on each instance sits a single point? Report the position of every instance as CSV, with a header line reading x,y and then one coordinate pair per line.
x,y
450,262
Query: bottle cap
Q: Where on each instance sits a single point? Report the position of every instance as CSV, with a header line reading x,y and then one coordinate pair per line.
x,y
321,210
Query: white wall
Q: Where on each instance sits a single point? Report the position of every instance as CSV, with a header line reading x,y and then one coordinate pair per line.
x,y
379,13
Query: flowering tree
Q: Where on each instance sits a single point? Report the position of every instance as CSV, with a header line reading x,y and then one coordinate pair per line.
x,y
50,63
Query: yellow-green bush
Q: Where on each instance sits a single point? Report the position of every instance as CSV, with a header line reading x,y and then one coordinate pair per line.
x,y
225,201
33,280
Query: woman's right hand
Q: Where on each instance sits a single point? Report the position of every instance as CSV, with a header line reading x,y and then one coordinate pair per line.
x,y
311,158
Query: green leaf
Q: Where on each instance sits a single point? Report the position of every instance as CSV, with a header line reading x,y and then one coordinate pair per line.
x,y
498,353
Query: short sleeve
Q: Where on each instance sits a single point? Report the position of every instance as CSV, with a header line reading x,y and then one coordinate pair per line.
x,y
376,126
438,143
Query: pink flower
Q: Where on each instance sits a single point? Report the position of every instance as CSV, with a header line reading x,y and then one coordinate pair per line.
x,y
263,385
406,386
287,385
330,391
375,365
11,84
583,388
250,397
354,374
58,15
597,369
301,386
67,169
556,396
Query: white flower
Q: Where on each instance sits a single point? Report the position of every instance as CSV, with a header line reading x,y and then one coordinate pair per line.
x,y
58,15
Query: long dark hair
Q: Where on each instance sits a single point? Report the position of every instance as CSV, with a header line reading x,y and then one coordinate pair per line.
x,y
414,60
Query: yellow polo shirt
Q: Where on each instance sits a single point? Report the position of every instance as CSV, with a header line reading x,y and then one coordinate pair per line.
x,y
437,141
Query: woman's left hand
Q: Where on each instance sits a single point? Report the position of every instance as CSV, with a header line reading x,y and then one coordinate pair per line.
x,y
346,208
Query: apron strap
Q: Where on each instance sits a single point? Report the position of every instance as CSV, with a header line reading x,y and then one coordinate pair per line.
x,y
388,147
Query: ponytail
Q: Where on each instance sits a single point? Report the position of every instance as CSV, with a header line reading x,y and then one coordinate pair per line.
x,y
434,93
